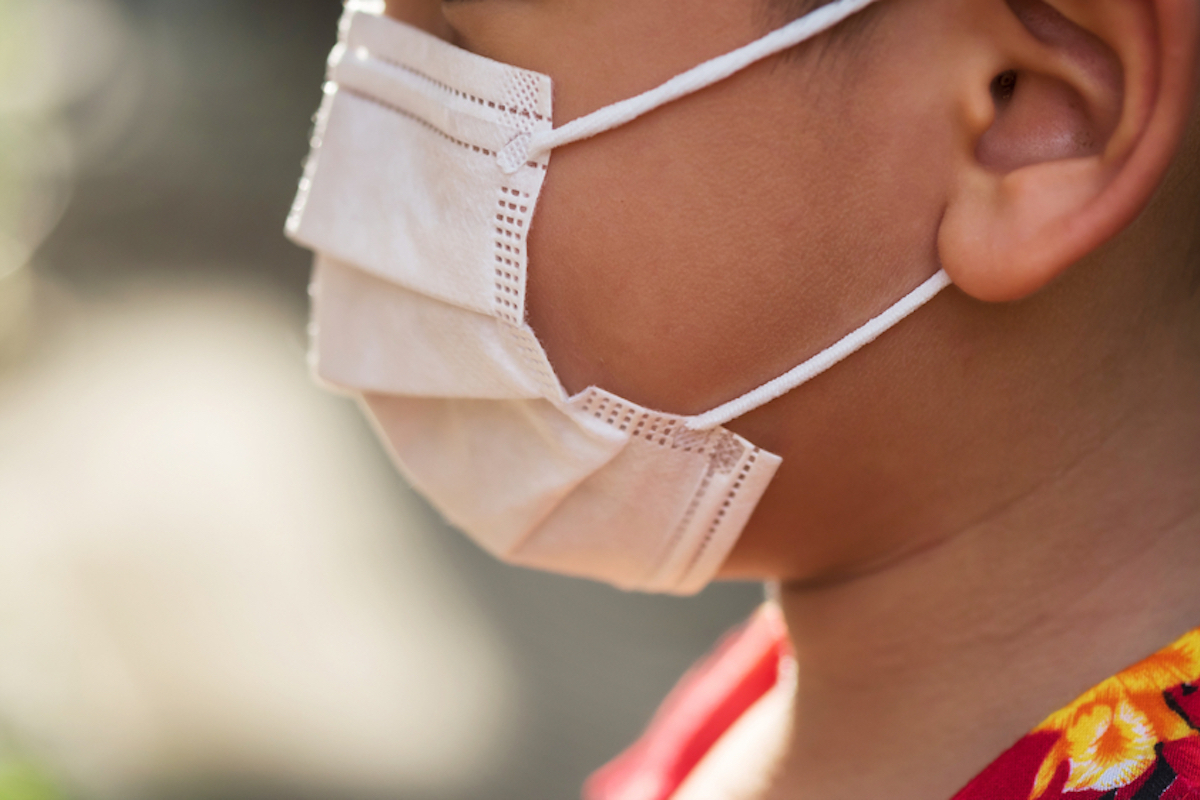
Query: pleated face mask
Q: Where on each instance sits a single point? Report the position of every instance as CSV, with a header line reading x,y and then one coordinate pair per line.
x,y
418,198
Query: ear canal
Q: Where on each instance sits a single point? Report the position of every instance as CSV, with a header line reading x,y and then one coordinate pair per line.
x,y
1003,87
1050,114
1038,118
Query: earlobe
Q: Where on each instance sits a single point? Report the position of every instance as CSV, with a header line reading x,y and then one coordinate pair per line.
x,y
1089,106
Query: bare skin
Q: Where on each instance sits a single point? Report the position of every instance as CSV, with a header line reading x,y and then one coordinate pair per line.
x,y
998,503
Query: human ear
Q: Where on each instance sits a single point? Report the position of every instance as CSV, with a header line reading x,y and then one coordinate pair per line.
x,y
1070,113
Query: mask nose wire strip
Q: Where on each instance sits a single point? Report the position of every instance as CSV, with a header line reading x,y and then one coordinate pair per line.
x,y
696,78
823,360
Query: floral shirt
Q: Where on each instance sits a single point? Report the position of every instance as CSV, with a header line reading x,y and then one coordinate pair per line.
x,y
1133,737
1136,736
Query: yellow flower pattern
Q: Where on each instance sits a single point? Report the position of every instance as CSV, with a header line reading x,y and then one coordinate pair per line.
x,y
1109,736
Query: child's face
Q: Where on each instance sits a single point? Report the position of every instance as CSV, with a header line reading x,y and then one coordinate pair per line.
x,y
716,243
719,241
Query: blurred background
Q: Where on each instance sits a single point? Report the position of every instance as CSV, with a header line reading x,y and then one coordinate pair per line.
x,y
212,584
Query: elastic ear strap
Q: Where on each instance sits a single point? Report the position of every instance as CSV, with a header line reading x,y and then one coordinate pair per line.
x,y
824,359
697,78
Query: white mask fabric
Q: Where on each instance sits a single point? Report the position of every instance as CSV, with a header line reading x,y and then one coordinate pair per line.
x,y
426,167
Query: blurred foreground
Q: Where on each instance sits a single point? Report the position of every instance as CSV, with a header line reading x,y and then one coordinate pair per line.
x,y
212,584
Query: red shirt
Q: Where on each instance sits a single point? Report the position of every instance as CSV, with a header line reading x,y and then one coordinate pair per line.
x,y
1136,736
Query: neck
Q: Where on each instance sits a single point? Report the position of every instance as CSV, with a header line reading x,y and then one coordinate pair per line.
x,y
929,667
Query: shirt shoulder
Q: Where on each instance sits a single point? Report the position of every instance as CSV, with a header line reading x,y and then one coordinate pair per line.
x,y
748,665
1134,736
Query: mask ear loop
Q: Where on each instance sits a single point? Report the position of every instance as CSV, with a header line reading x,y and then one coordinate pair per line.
x,y
823,360
540,143
699,77
695,79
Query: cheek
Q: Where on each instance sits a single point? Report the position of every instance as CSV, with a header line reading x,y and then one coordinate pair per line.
x,y
714,244
631,260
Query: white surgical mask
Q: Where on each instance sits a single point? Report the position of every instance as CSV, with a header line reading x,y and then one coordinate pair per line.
x,y
426,169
